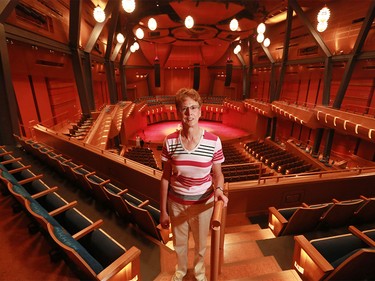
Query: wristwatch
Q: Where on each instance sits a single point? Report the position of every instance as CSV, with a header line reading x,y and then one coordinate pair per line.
x,y
219,187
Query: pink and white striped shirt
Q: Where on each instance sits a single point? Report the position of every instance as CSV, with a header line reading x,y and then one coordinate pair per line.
x,y
191,180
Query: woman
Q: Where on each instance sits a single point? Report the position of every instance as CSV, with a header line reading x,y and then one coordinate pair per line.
x,y
192,180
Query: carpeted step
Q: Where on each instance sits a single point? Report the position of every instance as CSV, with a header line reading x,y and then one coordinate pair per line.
x,y
286,275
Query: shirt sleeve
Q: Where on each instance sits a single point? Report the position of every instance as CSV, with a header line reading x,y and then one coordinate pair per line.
x,y
218,153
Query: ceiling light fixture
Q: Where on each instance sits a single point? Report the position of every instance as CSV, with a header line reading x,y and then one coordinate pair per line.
x,y
323,17
261,28
237,49
152,24
322,26
128,5
266,42
233,25
324,14
139,33
99,14
189,22
136,45
120,38
260,37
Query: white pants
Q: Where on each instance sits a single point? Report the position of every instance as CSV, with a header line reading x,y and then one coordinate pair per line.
x,y
197,218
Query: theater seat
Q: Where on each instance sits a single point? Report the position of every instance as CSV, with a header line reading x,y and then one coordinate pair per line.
x,y
295,220
96,255
146,218
341,257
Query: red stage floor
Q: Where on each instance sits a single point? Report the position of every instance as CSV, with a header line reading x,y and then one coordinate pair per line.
x,y
156,133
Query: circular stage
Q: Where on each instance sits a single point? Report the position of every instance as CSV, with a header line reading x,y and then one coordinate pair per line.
x,y
156,133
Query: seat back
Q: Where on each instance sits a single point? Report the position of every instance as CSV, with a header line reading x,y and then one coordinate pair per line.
x,y
305,219
340,213
358,266
117,201
144,220
366,212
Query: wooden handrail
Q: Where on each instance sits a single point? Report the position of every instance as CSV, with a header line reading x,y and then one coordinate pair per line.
x,y
216,241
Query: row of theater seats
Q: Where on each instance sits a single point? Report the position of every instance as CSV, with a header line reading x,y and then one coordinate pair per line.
x,y
80,129
93,254
143,155
238,167
125,204
349,256
331,215
277,158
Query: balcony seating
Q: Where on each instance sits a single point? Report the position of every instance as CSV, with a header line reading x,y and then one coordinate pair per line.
x,y
120,201
341,257
295,220
95,254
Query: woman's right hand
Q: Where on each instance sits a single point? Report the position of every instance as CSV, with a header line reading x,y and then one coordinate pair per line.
x,y
164,220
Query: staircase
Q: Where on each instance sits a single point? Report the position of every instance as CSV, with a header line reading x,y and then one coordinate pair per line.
x,y
243,259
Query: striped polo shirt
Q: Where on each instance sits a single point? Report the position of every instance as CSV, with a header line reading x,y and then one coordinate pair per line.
x,y
191,178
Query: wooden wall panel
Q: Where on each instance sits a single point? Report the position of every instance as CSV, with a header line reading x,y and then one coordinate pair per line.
x,y
64,100
43,104
26,106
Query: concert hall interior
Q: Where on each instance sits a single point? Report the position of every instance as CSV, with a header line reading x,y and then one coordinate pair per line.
x,y
87,98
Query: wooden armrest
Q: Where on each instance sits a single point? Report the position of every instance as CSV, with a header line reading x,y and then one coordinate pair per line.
x,y
363,197
123,191
57,155
44,192
276,221
277,214
362,236
131,255
105,182
19,169
21,182
334,200
90,174
5,153
11,161
63,208
67,160
313,253
79,166
144,203
88,229
305,205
